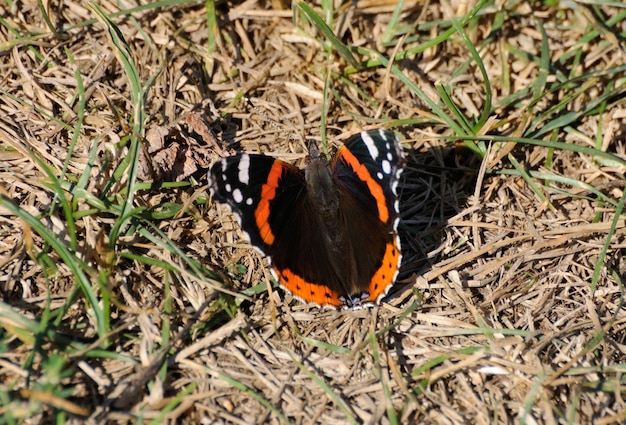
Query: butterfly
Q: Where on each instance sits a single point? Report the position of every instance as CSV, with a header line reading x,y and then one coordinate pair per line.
x,y
330,230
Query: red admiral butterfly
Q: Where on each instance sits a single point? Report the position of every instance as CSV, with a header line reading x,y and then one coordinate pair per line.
x,y
331,229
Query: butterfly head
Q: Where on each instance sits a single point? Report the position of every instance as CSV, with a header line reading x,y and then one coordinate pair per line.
x,y
320,185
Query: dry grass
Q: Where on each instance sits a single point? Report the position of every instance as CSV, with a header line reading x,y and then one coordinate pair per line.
x,y
130,297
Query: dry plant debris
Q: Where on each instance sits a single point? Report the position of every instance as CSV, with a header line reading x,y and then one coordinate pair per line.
x,y
128,296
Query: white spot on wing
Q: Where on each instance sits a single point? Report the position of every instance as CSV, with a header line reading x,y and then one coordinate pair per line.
x,y
369,143
386,167
228,187
249,201
244,167
237,196
379,175
394,185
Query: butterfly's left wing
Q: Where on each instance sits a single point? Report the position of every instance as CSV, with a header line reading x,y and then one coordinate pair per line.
x,y
262,192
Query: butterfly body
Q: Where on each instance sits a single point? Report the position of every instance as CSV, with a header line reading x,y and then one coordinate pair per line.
x,y
330,230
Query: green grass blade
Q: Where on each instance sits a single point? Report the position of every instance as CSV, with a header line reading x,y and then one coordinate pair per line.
x,y
125,57
392,416
75,265
337,45
600,264
392,28
487,107
529,181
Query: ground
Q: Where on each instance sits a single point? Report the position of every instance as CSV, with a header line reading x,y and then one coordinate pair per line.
x,y
129,295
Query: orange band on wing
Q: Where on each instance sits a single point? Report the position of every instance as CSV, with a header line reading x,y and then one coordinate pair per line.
x,y
386,273
324,296
363,173
306,291
262,212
